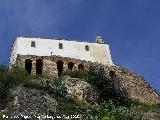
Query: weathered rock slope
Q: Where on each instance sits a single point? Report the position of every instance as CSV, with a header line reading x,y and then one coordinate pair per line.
x,y
80,89
30,102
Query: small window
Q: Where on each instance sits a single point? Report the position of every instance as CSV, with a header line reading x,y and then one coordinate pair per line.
x,y
87,48
33,44
60,46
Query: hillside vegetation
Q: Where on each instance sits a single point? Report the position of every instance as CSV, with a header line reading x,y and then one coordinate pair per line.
x,y
111,105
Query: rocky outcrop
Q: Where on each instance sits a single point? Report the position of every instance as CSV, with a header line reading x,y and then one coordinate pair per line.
x,y
80,89
75,87
30,102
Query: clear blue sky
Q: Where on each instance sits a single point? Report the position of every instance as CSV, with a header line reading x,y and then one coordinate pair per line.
x,y
132,27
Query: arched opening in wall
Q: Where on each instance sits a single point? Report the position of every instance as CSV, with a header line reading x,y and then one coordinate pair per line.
x,y
28,65
112,74
59,67
70,65
39,66
81,67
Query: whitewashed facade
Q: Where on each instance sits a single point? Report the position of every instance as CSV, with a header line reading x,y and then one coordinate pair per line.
x,y
94,52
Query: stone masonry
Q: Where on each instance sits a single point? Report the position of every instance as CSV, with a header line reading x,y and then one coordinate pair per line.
x,y
135,85
50,63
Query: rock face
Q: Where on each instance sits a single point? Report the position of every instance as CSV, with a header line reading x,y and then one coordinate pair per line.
x,y
80,89
134,85
75,87
30,102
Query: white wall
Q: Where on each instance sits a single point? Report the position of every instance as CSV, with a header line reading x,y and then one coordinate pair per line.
x,y
13,54
97,52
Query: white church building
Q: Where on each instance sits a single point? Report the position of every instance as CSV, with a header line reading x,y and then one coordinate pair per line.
x,y
85,51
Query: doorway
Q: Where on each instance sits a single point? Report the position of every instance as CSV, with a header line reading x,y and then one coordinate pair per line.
x,y
28,65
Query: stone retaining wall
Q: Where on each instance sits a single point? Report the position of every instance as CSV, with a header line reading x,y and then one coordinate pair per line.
x,y
135,85
50,63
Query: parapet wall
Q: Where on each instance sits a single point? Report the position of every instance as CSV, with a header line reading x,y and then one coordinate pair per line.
x,y
135,85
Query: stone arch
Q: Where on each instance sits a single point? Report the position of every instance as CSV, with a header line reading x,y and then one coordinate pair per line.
x,y
39,66
70,65
112,74
59,67
28,65
81,67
